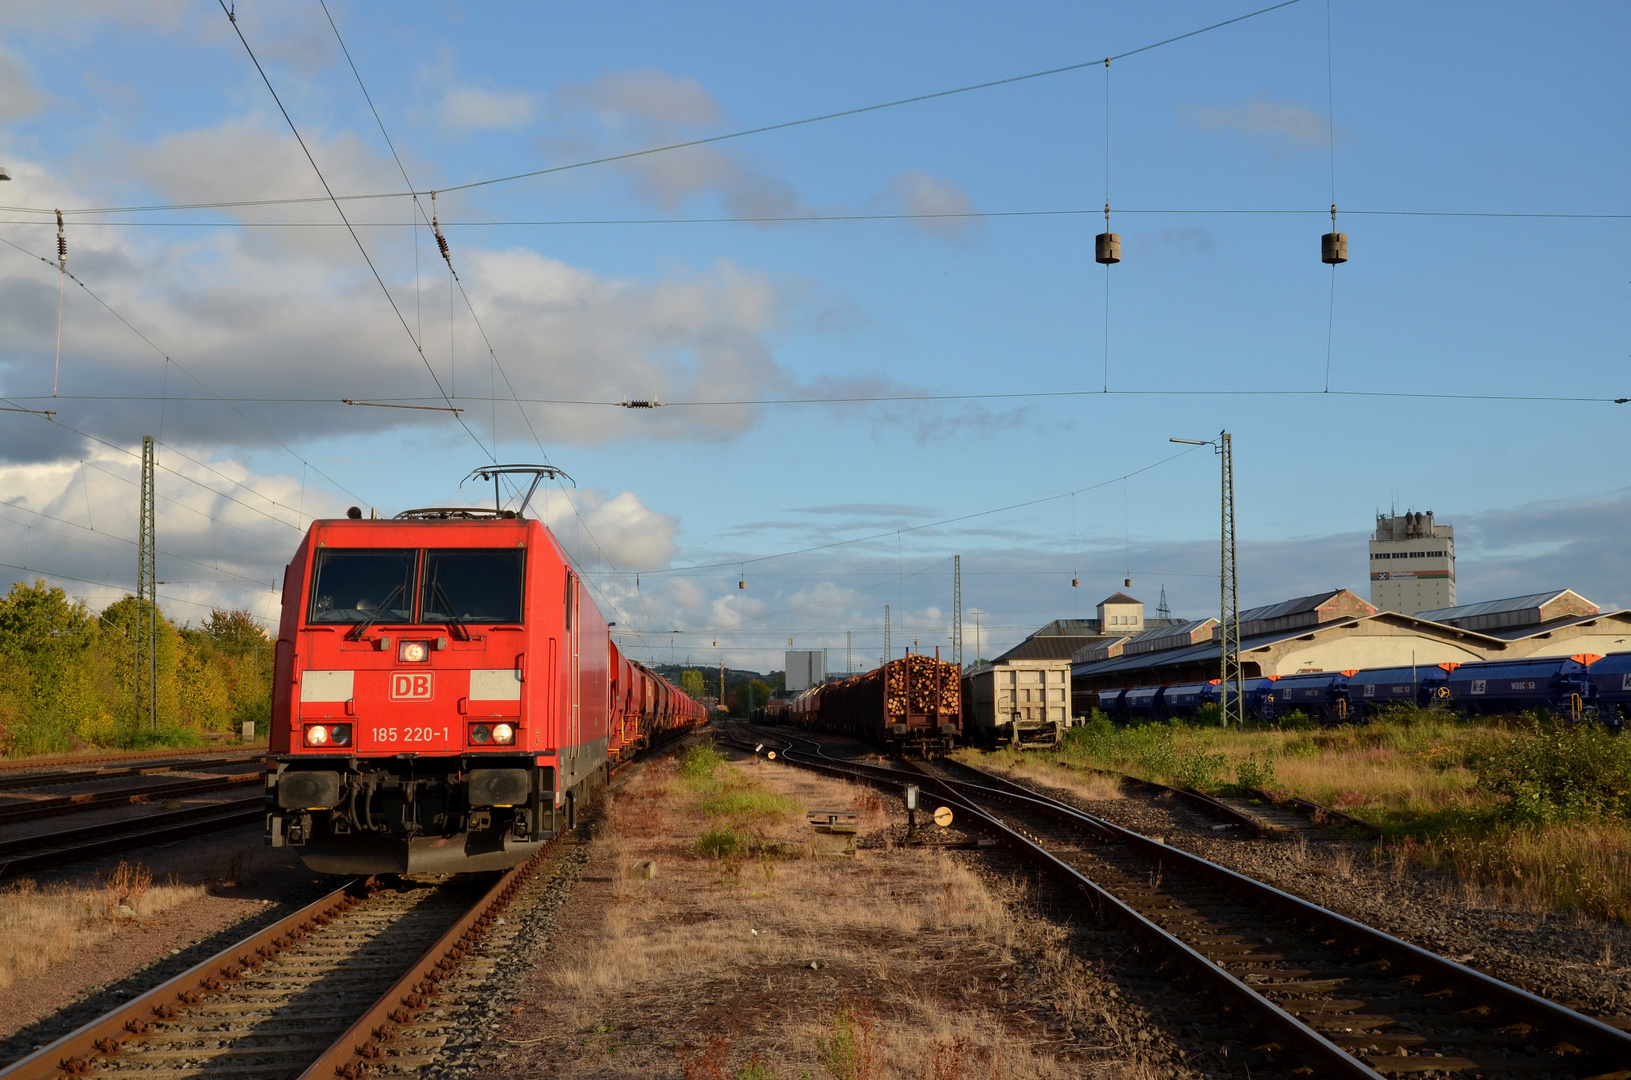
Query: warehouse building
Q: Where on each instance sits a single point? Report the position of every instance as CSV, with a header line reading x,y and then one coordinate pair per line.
x,y
1330,631
1556,623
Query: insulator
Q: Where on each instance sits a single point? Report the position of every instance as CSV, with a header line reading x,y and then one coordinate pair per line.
x,y
1107,248
62,244
441,242
1334,248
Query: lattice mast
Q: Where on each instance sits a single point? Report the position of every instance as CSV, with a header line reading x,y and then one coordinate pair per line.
x,y
957,611
888,650
147,602
1231,683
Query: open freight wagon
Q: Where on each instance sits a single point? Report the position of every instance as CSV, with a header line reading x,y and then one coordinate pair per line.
x,y
914,705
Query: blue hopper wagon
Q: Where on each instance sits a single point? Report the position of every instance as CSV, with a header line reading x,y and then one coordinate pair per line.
x,y
1559,684
1322,695
1423,687
1142,703
1612,677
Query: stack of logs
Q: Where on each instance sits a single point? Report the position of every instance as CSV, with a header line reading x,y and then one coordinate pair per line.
x,y
910,687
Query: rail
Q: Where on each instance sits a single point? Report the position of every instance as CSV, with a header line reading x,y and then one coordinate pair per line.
x,y
1572,1030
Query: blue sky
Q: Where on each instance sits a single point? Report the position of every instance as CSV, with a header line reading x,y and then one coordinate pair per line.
x,y
1213,318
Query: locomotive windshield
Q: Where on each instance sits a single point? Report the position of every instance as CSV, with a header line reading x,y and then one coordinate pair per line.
x,y
481,585
359,586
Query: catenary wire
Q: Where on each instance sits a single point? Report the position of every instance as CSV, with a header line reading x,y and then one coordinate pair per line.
x,y
213,396
782,126
419,348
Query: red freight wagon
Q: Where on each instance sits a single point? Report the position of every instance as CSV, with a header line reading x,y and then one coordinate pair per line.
x,y
446,693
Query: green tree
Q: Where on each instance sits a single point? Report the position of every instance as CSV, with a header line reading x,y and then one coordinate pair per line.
x,y
691,682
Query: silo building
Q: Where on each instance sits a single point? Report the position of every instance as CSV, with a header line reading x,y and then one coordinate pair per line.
x,y
1412,563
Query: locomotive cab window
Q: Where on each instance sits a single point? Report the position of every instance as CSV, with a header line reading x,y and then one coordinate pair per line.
x,y
357,586
474,585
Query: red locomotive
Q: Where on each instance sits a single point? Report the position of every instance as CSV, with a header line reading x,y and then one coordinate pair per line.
x,y
446,693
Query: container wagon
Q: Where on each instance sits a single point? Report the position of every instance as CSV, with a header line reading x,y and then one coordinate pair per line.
x,y
1019,702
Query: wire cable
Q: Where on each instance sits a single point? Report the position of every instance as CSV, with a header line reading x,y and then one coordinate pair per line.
x,y
233,18
782,126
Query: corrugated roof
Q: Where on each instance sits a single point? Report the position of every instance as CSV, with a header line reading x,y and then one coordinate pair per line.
x,y
1294,606
1120,598
1038,647
1069,628
1492,607
1514,633
1208,650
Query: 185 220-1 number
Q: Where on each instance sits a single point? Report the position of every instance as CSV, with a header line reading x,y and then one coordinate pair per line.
x,y
410,734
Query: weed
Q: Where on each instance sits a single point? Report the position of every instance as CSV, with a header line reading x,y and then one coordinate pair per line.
x,y
699,762
746,803
755,1070
719,843
1556,772
1252,773
855,1051
128,884
708,1063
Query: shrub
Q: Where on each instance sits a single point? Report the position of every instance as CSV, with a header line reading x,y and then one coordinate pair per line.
x,y
1252,773
1556,772
854,1052
1209,715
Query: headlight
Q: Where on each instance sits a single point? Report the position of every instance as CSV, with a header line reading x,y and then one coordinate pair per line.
x,y
481,734
413,652
328,734
503,733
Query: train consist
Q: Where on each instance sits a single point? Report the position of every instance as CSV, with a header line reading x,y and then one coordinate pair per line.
x,y
446,693
913,705
1581,687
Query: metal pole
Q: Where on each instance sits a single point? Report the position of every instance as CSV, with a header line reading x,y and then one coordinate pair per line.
x,y
888,650
1232,681
147,601
847,667
957,610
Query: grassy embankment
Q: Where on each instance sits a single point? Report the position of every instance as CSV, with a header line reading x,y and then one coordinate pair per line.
x,y
1534,810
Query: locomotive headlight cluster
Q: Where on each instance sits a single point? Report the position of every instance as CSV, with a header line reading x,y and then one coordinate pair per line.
x,y
413,652
328,735
492,734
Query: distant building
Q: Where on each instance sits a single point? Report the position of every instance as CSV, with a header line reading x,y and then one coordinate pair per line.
x,y
1121,614
1412,563
805,668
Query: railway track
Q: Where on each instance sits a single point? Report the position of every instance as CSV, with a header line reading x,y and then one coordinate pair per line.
x,y
326,992
15,780
51,849
35,809
1346,999
78,761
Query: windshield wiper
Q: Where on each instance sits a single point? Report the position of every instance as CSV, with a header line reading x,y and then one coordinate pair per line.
x,y
357,631
453,619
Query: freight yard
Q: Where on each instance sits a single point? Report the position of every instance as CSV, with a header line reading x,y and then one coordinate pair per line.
x,y
940,578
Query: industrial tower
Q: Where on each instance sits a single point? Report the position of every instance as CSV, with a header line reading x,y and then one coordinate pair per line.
x,y
147,602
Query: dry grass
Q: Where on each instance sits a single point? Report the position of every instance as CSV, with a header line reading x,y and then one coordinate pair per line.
x,y
904,955
40,928
1581,866
1085,783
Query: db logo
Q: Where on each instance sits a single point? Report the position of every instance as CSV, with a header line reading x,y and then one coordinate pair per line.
x,y
412,686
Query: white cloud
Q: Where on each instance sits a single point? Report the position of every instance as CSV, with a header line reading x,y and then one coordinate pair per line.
x,y
469,107
224,533
18,96
1282,123
643,107
920,193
